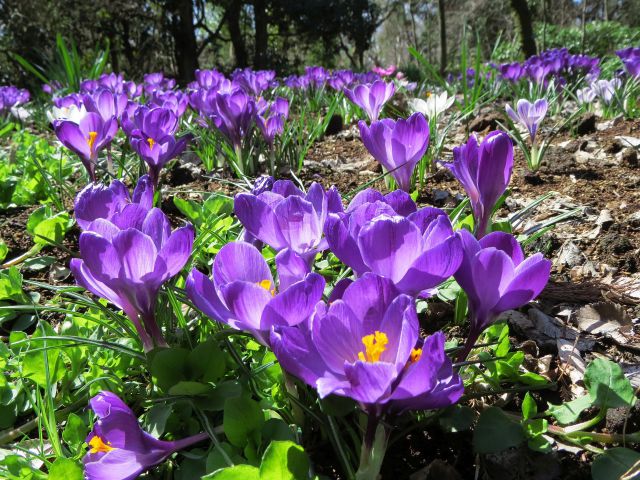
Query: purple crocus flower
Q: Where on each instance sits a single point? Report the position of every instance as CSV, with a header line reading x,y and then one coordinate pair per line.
x,y
371,97
233,114
529,115
416,252
105,103
484,170
397,145
631,59
242,292
87,138
118,448
99,201
366,346
154,138
127,259
496,277
286,218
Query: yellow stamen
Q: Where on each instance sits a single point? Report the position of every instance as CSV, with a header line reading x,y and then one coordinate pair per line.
x,y
151,142
266,284
97,445
416,354
91,140
428,94
374,345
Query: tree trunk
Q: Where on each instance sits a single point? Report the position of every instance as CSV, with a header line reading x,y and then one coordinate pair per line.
x,y
526,27
184,38
262,34
443,36
233,22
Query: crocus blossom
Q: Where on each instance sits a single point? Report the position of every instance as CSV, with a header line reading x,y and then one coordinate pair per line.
x,y
397,145
416,252
233,114
433,106
87,138
631,59
366,346
287,218
484,170
371,97
154,138
496,277
99,201
127,259
105,103
242,292
118,448
529,115
605,90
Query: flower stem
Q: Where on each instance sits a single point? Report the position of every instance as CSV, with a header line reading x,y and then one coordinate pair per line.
x,y
374,446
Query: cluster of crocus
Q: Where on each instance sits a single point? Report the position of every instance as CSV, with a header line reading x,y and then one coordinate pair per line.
x,y
127,252
415,249
630,57
11,98
371,98
152,134
556,64
118,448
397,144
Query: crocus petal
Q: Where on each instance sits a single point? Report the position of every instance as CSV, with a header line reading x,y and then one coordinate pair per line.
x,y
389,245
338,336
369,382
240,261
342,244
295,304
369,298
291,268
176,250
530,278
297,354
259,219
137,254
246,301
202,292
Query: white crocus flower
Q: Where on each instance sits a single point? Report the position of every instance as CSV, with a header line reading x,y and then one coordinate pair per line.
x,y
71,113
433,106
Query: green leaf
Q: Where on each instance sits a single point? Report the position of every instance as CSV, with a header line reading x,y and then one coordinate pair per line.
x,y
529,407
607,385
284,461
47,228
215,460
496,432
237,472
156,418
613,463
457,418
3,250
167,366
569,412
34,366
190,209
215,401
277,429
65,469
242,417
190,389
539,444
11,285
207,362
75,431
